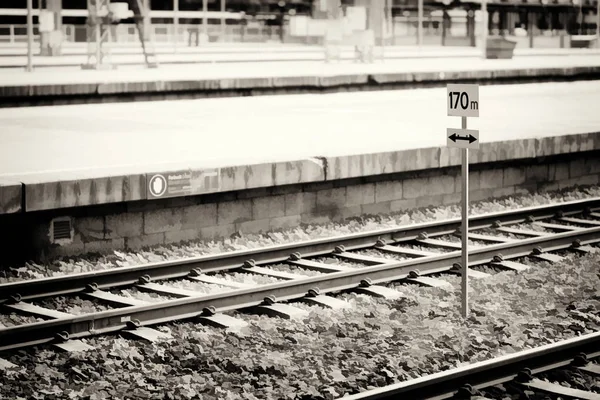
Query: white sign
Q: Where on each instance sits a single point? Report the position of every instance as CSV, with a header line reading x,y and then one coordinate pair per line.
x,y
157,185
463,100
462,138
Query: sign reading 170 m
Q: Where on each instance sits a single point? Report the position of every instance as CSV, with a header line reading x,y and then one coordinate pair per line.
x,y
463,100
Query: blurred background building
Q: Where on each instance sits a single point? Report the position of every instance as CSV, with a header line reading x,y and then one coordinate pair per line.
x,y
532,23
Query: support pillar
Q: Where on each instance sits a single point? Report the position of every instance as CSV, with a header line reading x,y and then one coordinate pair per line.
x,y
223,22
176,24
50,28
530,24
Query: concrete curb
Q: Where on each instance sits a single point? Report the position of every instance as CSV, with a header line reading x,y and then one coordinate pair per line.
x,y
75,189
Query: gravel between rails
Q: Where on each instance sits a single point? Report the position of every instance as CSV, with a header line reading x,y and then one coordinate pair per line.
x,y
292,269
72,305
14,319
373,343
94,262
200,287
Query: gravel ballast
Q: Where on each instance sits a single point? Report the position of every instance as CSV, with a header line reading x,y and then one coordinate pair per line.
x,y
373,343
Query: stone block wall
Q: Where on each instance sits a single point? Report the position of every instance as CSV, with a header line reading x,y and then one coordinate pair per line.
x,y
138,224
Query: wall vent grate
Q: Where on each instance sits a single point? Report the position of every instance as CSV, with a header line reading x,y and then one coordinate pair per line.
x,y
61,229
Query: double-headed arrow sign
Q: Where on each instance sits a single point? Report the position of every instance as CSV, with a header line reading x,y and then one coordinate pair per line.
x,y
454,137
463,138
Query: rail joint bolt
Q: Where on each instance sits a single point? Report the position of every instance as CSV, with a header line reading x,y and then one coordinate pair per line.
x,y
133,324
580,360
524,376
15,298
465,392
366,282
209,311
91,287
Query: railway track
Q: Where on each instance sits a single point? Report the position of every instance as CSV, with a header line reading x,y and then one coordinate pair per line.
x,y
412,253
519,369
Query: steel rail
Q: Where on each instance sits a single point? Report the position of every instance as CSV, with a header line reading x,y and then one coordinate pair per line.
x,y
189,307
69,284
444,385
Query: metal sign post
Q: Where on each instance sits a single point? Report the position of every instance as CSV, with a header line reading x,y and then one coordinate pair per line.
x,y
29,35
205,19
484,28
176,25
420,23
463,101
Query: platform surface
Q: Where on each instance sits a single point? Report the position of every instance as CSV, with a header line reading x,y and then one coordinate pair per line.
x,y
51,143
74,54
186,72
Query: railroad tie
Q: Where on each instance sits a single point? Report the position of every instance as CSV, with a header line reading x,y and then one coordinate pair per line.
x,y
407,251
440,243
473,273
5,364
512,265
557,226
547,257
429,281
522,232
39,311
379,291
327,302
580,221
222,321
158,288
219,281
272,273
561,390
590,368
73,346
116,299
488,238
368,260
280,310
149,334
317,266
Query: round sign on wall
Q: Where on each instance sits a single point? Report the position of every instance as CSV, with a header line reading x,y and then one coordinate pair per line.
x,y
157,185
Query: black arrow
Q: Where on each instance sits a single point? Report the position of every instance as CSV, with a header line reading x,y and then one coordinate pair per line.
x,y
454,137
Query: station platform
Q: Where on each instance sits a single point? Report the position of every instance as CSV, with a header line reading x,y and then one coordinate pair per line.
x,y
128,175
130,55
46,148
51,86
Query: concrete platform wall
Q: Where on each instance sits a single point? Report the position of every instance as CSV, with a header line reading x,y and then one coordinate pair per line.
x,y
134,225
118,212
